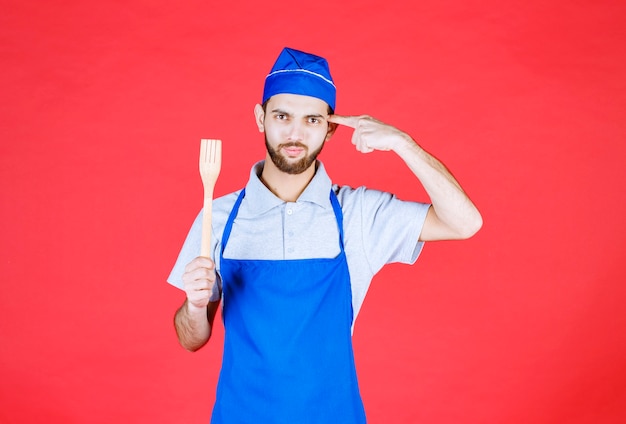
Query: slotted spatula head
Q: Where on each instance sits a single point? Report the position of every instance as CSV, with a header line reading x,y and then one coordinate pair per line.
x,y
210,161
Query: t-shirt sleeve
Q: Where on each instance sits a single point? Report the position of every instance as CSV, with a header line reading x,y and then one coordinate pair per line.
x,y
390,227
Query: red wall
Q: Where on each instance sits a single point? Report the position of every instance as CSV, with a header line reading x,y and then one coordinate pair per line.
x,y
103,106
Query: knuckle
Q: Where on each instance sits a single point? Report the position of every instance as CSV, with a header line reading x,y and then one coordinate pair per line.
x,y
207,273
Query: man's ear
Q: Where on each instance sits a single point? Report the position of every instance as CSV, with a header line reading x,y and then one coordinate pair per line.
x,y
259,116
332,127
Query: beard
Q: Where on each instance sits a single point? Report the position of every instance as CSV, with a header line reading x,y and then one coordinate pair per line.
x,y
290,167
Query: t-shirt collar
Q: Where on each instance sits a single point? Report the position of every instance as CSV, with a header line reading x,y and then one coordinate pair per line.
x,y
260,199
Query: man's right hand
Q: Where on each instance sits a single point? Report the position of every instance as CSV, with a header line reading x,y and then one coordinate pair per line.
x,y
198,282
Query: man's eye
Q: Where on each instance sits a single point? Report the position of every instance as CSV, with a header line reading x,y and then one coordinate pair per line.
x,y
314,120
281,116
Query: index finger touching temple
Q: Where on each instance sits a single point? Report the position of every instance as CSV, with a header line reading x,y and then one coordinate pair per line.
x,y
349,121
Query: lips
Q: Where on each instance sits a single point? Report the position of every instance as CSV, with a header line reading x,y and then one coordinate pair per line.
x,y
293,149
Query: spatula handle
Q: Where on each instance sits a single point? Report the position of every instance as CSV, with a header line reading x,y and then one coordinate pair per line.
x,y
207,213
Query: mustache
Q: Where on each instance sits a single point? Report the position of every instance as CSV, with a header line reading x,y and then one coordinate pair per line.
x,y
292,144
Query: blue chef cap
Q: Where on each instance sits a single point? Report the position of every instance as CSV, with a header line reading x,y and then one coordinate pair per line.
x,y
297,72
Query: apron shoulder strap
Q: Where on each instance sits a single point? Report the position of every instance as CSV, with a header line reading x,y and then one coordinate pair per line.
x,y
338,215
231,219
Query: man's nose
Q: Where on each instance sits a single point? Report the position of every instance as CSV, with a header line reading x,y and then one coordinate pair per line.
x,y
294,132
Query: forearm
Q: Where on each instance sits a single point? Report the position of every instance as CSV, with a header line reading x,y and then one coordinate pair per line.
x,y
193,326
455,216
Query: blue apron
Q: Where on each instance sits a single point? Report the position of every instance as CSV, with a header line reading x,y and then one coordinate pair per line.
x,y
288,355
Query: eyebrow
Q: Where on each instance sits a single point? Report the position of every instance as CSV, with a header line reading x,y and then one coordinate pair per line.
x,y
311,115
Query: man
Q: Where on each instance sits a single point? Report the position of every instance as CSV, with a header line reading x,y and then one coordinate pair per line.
x,y
293,255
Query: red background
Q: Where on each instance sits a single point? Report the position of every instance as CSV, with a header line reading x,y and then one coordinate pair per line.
x,y
103,106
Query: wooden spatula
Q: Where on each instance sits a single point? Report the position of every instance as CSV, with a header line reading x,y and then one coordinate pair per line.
x,y
210,165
